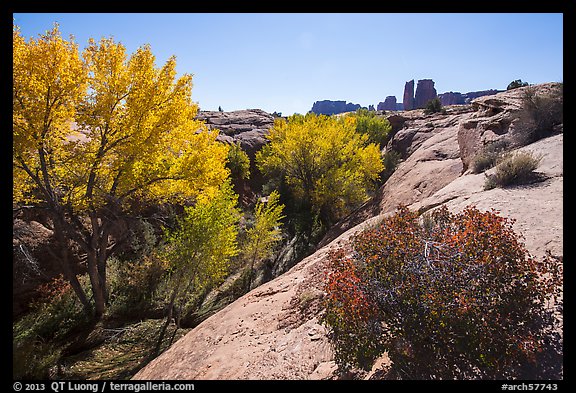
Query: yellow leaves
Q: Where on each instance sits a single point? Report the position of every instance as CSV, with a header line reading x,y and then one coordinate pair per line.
x,y
265,233
206,238
48,81
107,125
323,159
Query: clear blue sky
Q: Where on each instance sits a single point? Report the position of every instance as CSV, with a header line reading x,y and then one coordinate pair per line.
x,y
284,62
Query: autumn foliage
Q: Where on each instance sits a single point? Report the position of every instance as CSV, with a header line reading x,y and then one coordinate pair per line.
x,y
98,131
448,295
325,163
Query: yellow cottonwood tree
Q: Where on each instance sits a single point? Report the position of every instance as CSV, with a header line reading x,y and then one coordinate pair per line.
x,y
200,248
325,163
265,232
95,132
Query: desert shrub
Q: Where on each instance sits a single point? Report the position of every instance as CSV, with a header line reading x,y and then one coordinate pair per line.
x,y
134,283
434,106
457,298
546,109
488,156
515,169
36,337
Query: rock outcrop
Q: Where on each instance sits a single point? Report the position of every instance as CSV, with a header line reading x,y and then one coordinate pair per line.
x,y
408,99
425,92
33,264
274,332
389,104
501,117
249,127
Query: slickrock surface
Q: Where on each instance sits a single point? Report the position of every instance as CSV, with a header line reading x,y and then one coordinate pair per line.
x,y
273,332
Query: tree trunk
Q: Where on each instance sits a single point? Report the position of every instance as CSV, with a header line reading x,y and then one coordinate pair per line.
x,y
177,320
67,270
102,258
168,316
97,280
97,288
251,275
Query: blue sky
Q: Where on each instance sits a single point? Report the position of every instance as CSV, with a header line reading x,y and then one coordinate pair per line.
x,y
284,62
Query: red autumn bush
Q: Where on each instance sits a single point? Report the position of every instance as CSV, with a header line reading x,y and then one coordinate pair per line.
x,y
447,296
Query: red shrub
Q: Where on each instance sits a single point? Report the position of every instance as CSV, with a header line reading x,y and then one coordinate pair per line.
x,y
449,296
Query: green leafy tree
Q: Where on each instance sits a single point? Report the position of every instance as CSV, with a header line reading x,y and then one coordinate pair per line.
x,y
327,166
96,134
199,250
264,234
376,127
238,162
451,296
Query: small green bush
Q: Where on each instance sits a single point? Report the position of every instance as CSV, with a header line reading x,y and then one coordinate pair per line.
x,y
434,106
134,284
515,169
488,156
391,159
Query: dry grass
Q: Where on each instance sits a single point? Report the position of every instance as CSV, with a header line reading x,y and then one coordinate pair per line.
x,y
515,169
125,351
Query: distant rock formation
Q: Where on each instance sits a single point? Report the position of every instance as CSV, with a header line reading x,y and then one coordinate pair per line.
x,y
475,94
457,98
425,92
409,95
328,107
451,98
389,104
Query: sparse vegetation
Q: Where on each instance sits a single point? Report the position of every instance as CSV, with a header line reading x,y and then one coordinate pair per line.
x,y
38,337
488,156
515,169
458,298
546,111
